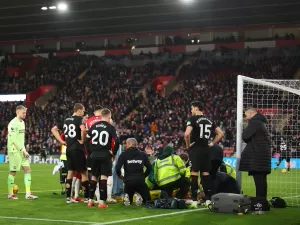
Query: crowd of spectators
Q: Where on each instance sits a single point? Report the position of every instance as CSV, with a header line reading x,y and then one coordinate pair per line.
x,y
155,120
162,120
53,71
114,87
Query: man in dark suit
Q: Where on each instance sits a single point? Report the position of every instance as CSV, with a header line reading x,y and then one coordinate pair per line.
x,y
256,157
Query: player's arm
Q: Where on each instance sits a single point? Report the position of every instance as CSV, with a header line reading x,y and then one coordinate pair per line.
x,y
115,141
148,166
83,134
13,131
119,165
56,134
187,134
218,137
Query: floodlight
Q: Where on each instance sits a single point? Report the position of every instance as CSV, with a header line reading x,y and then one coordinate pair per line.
x,y
62,6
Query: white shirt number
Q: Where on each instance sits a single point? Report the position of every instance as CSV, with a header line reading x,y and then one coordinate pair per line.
x,y
69,131
101,138
205,129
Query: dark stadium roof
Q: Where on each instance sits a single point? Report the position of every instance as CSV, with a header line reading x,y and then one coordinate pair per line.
x,y
24,19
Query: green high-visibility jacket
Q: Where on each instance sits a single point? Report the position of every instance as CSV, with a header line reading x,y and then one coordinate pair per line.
x,y
169,170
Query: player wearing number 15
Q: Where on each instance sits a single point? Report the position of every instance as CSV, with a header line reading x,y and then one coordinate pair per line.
x,y
197,135
75,135
103,141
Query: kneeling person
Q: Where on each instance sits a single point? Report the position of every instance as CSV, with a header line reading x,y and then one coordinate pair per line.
x,y
170,172
134,161
104,139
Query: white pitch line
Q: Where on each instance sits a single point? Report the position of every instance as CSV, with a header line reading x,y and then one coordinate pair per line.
x,y
104,223
32,192
150,217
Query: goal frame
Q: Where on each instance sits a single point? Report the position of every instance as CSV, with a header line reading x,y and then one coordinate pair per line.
x,y
240,112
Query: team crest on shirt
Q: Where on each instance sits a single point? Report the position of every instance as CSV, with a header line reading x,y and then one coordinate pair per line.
x,y
12,129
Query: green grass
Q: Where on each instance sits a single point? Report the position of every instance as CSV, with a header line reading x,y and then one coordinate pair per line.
x,y
53,207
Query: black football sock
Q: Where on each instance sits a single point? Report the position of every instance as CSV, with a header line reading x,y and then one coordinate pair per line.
x,y
93,187
208,187
194,187
68,187
85,187
103,190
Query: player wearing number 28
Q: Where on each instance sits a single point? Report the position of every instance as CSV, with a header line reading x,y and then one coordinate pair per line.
x,y
103,144
197,136
17,154
75,135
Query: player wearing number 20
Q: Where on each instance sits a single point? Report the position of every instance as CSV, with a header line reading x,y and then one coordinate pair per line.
x,y
103,143
75,134
197,135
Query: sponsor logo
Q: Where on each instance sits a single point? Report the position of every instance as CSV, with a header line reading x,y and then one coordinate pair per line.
x,y
35,159
134,161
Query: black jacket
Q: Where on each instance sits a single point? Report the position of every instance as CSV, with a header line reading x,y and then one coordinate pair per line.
x,y
225,183
216,153
256,156
134,161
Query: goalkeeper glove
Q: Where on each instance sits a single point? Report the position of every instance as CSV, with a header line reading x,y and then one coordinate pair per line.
x,y
25,153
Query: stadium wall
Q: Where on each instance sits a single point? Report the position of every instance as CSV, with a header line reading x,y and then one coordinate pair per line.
x,y
174,48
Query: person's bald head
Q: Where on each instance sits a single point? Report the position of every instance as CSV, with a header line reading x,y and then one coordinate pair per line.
x,y
131,143
250,112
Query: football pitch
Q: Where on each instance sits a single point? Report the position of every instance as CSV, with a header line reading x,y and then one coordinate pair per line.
x,y
51,208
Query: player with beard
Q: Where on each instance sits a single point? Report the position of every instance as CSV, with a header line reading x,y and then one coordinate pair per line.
x,y
75,134
103,143
197,135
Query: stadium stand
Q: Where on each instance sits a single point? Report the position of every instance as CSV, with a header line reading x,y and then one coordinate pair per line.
x,y
155,120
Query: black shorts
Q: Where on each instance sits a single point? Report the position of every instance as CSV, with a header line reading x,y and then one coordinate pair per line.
x,y
286,158
101,167
76,160
200,159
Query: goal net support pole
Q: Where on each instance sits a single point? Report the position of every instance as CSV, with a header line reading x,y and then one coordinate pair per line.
x,y
264,94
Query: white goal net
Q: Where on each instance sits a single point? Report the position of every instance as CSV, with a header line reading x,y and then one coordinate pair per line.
x,y
279,101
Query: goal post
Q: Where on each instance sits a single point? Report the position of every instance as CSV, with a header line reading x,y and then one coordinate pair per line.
x,y
279,101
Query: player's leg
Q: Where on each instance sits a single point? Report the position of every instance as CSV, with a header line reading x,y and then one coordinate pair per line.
x,y
63,176
288,162
77,186
206,180
71,169
195,168
73,184
279,162
109,190
14,166
95,170
27,180
97,193
82,169
106,170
